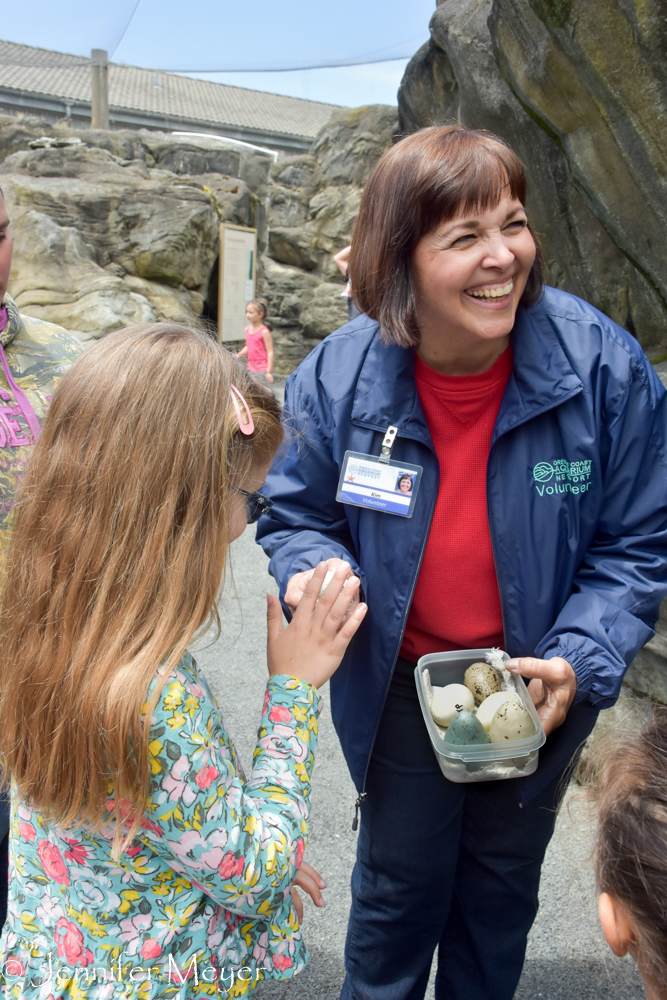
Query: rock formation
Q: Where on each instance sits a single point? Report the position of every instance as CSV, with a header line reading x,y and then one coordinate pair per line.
x,y
313,204
580,91
116,228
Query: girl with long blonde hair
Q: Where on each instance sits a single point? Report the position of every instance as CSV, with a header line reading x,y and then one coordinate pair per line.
x,y
139,851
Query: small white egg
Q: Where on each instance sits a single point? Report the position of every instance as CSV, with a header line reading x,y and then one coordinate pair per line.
x,y
448,701
490,706
327,580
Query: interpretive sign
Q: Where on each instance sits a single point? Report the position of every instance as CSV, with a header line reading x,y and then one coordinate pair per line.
x,y
238,250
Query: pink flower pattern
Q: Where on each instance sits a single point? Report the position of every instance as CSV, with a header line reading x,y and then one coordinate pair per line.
x,y
206,776
52,862
70,943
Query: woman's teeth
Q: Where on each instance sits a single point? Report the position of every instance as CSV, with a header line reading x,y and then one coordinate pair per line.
x,y
492,293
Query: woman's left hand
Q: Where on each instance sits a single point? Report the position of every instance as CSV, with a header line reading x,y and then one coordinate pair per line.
x,y
311,882
552,688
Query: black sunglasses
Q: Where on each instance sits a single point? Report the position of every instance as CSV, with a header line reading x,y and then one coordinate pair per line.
x,y
256,504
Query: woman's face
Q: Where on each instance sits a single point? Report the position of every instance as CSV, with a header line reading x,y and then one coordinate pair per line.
x,y
405,484
470,273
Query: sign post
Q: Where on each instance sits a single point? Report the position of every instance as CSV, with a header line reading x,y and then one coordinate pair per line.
x,y
238,253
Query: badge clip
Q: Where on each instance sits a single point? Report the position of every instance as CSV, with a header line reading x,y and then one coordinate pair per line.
x,y
388,444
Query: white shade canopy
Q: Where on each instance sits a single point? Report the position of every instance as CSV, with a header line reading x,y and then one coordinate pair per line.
x,y
225,35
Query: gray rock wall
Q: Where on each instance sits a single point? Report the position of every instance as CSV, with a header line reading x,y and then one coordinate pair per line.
x,y
120,228
579,89
313,204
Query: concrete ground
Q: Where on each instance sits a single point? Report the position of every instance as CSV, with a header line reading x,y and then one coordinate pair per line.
x,y
567,957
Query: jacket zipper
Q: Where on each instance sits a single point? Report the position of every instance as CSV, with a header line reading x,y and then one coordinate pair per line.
x,y
363,794
493,549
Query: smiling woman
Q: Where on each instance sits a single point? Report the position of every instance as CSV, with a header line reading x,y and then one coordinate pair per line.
x,y
539,526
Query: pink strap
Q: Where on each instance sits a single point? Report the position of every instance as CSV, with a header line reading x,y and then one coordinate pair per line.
x,y
21,399
246,423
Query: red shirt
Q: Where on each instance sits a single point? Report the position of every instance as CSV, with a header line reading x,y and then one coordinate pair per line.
x,y
456,604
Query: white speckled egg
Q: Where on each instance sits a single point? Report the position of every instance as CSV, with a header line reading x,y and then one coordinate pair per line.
x,y
512,721
482,680
490,706
449,700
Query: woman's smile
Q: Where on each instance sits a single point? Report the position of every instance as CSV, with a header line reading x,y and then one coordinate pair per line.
x,y
494,295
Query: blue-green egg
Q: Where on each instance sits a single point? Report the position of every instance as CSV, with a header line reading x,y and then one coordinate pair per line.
x,y
465,729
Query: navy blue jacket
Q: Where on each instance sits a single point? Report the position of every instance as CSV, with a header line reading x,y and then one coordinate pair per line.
x,y
577,504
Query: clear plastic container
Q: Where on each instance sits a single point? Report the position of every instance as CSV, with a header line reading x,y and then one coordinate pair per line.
x,y
484,762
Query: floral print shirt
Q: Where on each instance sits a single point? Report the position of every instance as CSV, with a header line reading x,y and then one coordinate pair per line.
x,y
200,904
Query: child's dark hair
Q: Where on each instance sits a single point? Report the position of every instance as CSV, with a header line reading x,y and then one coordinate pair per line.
x,y
631,847
261,305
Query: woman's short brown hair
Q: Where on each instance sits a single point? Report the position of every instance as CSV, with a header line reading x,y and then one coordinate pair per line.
x,y
424,180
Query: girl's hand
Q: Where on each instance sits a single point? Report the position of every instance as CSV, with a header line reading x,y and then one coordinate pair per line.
x,y
269,377
313,644
552,688
311,882
299,582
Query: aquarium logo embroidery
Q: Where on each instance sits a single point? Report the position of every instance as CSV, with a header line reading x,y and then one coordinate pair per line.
x,y
561,476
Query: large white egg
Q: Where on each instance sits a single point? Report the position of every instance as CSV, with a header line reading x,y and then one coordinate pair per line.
x,y
449,700
490,706
511,722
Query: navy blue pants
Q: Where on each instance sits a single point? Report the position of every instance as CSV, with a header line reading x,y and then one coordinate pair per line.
x,y
440,865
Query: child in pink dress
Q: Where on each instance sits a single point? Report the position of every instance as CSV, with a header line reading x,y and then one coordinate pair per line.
x,y
258,342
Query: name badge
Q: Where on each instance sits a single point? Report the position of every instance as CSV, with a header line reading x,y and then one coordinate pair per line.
x,y
379,484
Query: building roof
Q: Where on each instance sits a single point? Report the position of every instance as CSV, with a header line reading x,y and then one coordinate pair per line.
x,y
168,97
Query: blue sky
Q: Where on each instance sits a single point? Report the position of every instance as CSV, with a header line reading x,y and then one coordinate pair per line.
x,y
228,35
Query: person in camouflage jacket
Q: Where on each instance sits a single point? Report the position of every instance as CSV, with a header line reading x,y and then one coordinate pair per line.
x,y
33,356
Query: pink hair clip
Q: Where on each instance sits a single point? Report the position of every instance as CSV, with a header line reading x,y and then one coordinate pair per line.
x,y
246,423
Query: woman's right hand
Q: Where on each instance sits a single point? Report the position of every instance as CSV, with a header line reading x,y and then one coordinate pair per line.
x,y
298,583
312,645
